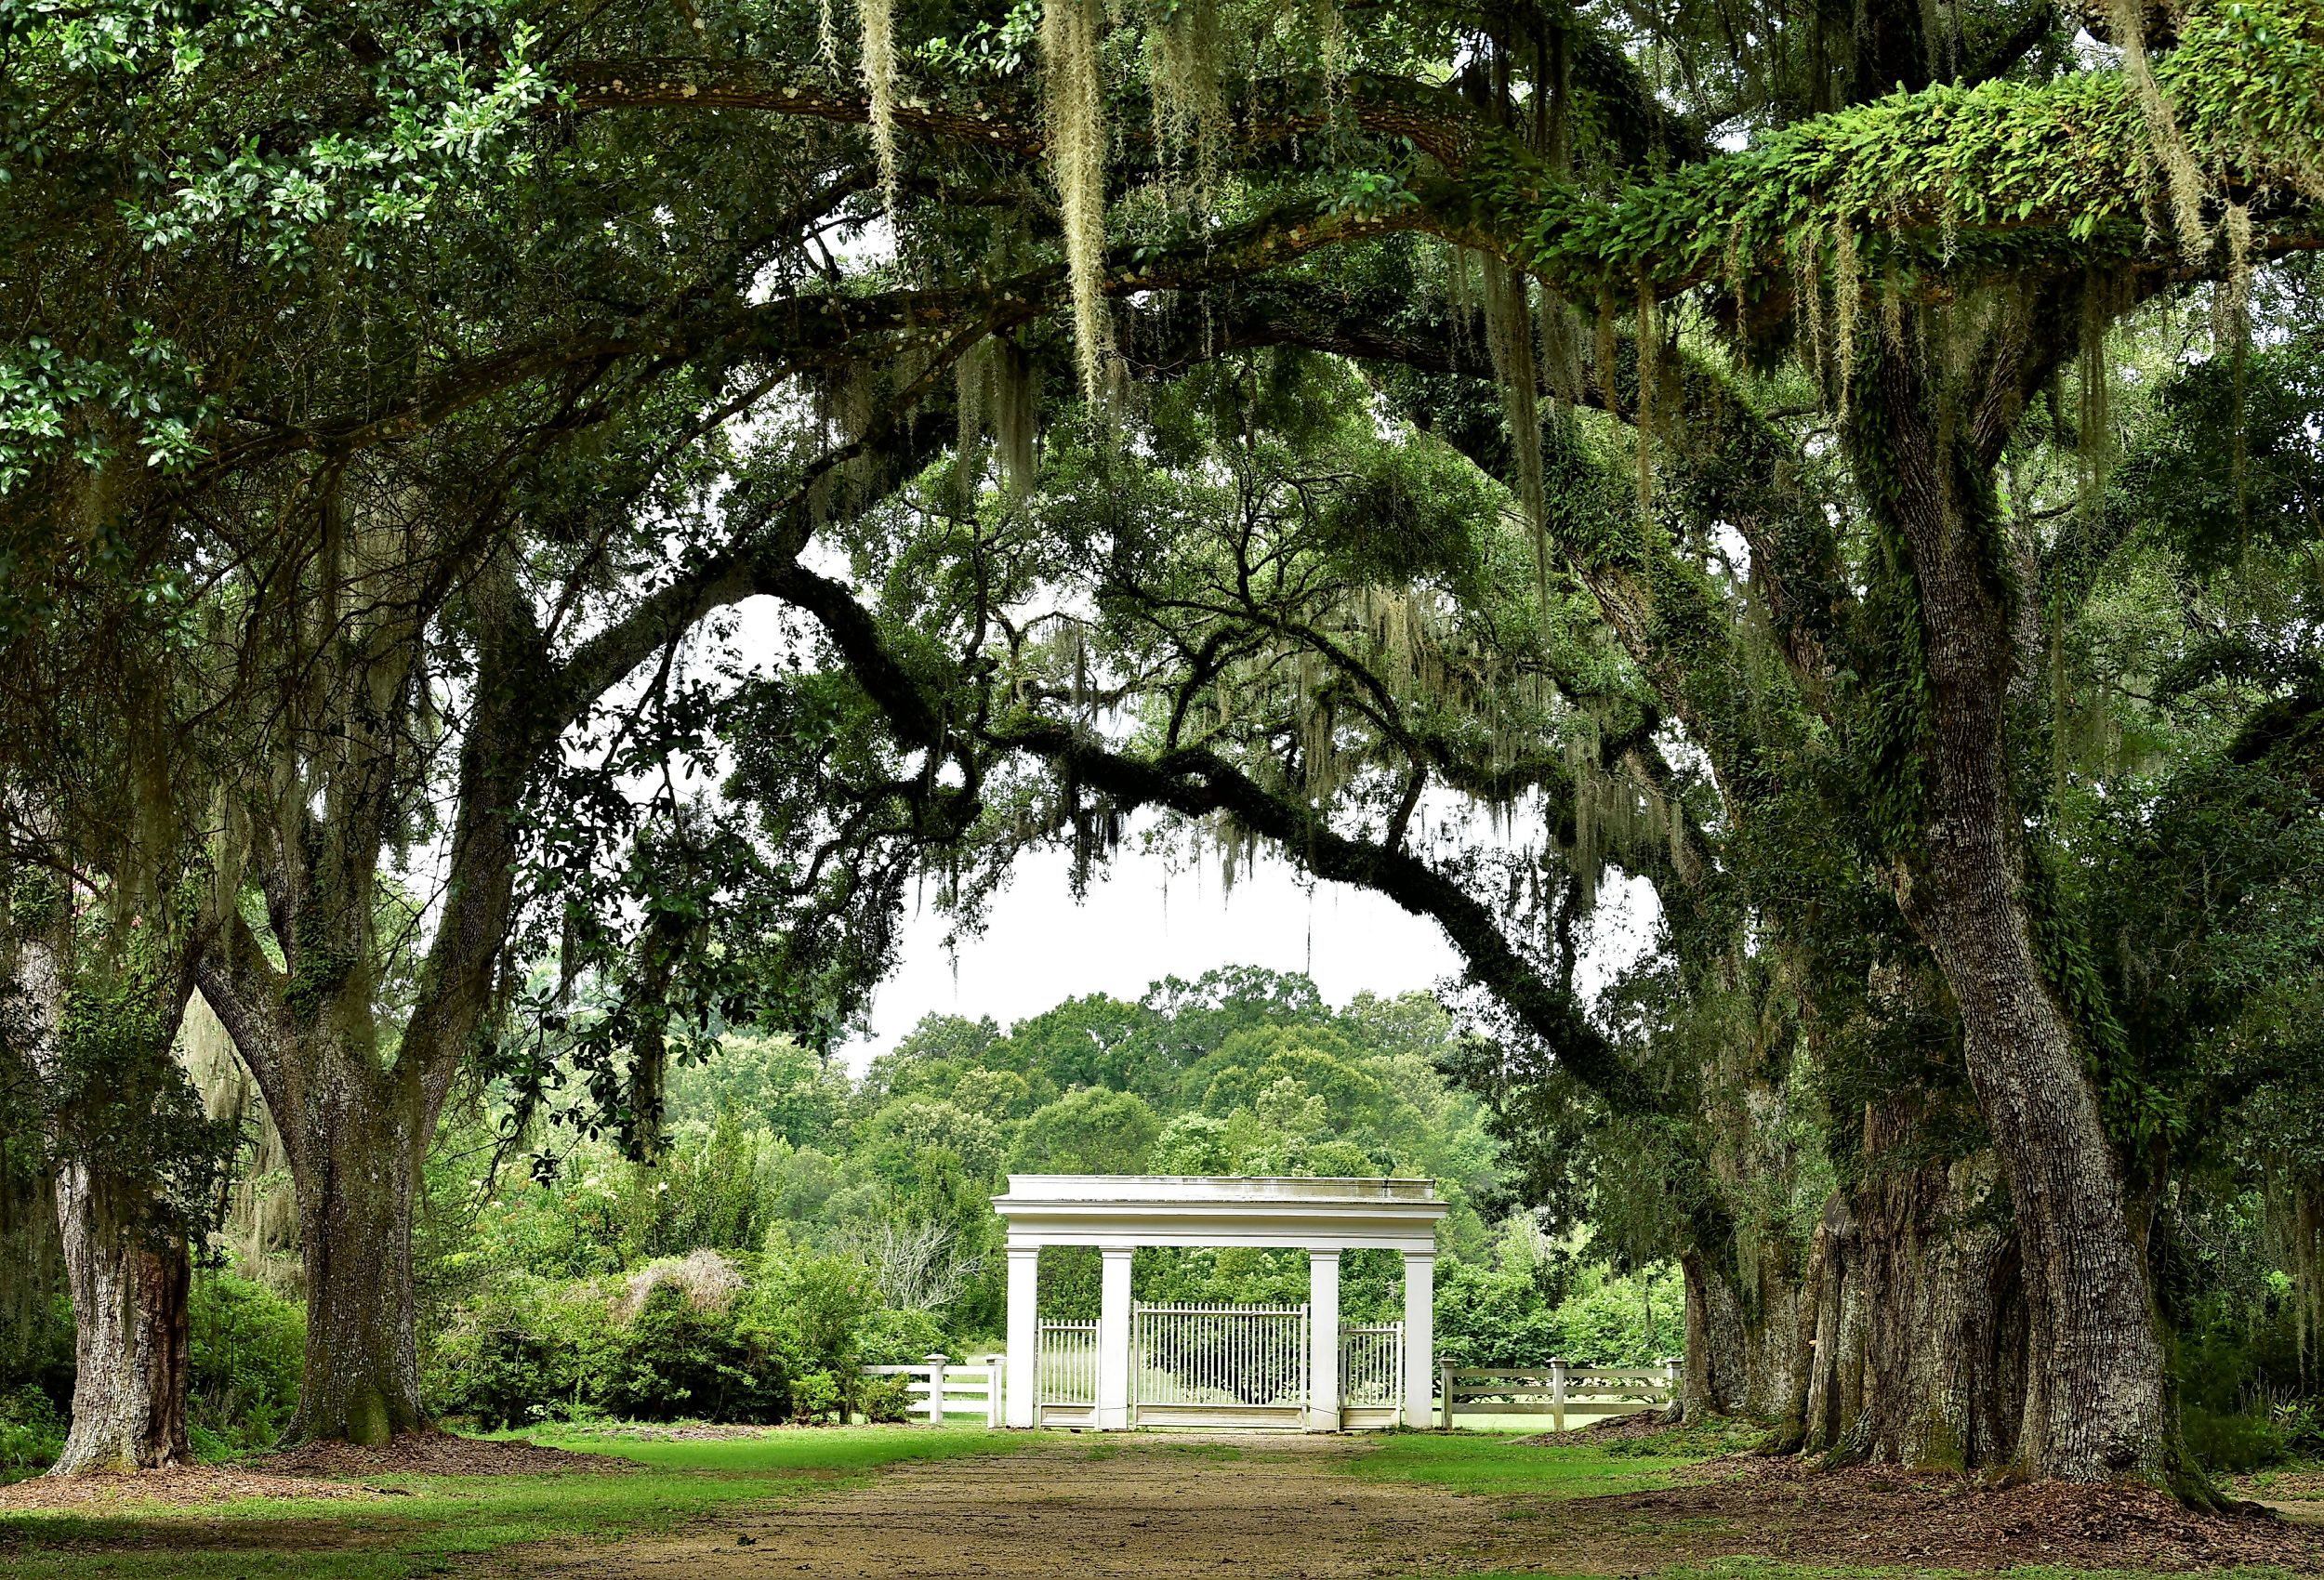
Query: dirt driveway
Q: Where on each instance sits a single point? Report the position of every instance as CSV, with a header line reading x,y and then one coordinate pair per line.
x,y
1163,1506
1134,1507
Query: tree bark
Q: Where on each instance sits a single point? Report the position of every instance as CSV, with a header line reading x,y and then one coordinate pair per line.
x,y
1745,1353
1920,1329
2095,1406
1775,1353
126,1263
356,1191
356,1136
131,1329
1715,1380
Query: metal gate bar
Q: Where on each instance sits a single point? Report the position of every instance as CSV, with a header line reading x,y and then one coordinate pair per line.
x,y
1065,1372
1219,1357
1371,1366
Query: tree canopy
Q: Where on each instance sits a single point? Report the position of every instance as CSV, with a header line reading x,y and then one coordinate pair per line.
x,y
530,535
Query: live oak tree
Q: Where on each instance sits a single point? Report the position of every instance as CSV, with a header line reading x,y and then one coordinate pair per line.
x,y
99,927
1930,317
635,250
143,230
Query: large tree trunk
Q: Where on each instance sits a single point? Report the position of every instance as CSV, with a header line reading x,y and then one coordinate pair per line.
x,y
354,1135
1744,1349
356,1165
1714,1382
1775,1357
2094,1406
125,1262
1918,1327
131,1331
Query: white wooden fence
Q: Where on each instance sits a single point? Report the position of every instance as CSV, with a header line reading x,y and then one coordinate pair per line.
x,y
939,1389
1248,1365
1552,1391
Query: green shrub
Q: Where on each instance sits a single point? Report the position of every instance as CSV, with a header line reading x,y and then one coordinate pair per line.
x,y
816,1305
887,1399
888,1337
1620,1319
32,1432
2232,1441
816,1396
679,1338
518,1352
676,1359
2300,1423
247,1347
1492,1317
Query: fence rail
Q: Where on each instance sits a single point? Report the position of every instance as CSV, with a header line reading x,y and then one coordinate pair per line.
x,y
1554,1390
938,1389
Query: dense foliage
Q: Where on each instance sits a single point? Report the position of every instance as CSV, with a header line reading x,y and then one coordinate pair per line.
x,y
530,536
797,1226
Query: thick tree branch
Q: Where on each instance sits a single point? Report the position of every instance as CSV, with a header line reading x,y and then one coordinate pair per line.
x,y
1195,783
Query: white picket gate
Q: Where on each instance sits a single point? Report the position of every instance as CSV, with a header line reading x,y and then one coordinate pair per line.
x,y
1065,1373
1214,1365
1220,1365
1371,1373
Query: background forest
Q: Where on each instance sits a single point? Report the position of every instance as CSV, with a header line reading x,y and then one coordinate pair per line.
x,y
794,1226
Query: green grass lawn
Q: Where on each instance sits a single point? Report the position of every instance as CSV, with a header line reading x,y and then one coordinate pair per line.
x,y
446,1516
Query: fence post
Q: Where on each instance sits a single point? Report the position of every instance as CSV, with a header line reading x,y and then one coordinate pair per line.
x,y
993,1374
1444,1376
1557,1395
936,1390
1674,1371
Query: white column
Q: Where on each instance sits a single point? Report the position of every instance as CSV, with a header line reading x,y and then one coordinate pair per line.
x,y
1419,1335
1023,1362
1113,1413
1323,1339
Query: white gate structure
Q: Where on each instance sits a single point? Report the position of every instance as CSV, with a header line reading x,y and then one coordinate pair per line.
x,y
1211,1366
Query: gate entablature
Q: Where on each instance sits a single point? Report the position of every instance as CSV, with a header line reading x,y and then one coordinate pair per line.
x,y
1119,1213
